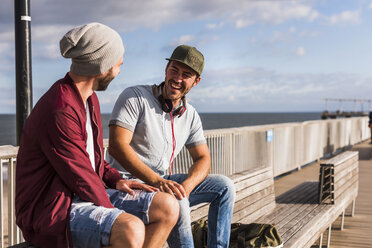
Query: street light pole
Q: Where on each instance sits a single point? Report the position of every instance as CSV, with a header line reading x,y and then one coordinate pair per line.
x,y
22,25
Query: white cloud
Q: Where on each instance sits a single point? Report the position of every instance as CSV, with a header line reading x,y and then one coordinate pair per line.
x,y
272,12
131,15
300,51
184,39
214,25
292,29
345,17
253,89
370,6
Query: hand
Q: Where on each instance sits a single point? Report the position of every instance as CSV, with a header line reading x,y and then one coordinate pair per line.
x,y
128,185
171,187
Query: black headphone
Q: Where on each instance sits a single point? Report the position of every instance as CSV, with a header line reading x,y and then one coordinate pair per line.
x,y
166,104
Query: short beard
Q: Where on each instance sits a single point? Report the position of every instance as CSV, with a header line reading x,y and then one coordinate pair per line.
x,y
104,82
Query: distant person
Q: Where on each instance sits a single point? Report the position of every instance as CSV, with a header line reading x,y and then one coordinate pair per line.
x,y
149,126
66,194
370,124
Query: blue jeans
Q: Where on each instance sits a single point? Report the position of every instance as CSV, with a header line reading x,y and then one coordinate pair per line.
x,y
91,225
219,191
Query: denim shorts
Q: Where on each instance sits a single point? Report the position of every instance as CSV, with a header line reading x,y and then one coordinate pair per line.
x,y
90,225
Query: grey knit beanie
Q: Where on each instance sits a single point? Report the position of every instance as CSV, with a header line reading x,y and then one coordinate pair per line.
x,y
93,48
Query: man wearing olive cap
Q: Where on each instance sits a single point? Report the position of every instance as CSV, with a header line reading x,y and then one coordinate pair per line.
x,y
66,194
150,125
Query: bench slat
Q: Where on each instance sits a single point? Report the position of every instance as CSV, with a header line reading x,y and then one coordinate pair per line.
x,y
268,191
341,167
341,158
254,209
352,183
285,206
247,182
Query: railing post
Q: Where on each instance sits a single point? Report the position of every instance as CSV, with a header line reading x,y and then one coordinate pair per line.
x,y
232,153
11,200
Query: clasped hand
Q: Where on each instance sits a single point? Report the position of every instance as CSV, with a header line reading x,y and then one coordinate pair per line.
x,y
128,186
172,187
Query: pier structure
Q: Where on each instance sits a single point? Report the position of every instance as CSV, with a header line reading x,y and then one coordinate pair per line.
x,y
348,113
286,149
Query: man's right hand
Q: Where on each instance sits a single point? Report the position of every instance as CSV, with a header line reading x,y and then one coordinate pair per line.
x,y
171,187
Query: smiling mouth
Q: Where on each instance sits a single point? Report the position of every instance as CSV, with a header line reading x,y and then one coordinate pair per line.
x,y
174,85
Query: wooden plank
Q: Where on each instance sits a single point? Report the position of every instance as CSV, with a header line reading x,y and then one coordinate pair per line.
x,y
288,232
293,193
253,189
341,158
257,214
358,228
237,177
353,183
311,231
350,193
293,213
319,223
346,170
281,209
296,212
344,182
269,191
343,166
243,184
250,183
287,205
255,208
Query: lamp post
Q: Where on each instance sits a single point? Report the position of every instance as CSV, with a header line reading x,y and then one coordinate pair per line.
x,y
22,25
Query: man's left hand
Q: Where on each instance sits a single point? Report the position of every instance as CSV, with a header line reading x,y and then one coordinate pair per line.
x,y
128,186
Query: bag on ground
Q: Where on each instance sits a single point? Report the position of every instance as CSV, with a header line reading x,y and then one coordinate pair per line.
x,y
242,235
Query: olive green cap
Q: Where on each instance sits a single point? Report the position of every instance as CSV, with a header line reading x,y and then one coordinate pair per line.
x,y
189,56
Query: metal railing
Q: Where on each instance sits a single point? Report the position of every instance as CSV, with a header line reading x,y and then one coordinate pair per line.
x,y
284,147
10,233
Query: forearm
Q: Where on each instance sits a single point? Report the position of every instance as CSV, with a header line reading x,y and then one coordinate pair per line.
x,y
130,161
197,173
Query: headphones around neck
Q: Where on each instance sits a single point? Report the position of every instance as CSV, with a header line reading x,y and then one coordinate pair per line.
x,y
166,104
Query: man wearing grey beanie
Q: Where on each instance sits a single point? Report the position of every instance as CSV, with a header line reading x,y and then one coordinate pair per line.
x,y
66,194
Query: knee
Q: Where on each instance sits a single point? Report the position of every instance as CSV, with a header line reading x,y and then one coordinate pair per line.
x,y
172,208
128,231
165,208
228,185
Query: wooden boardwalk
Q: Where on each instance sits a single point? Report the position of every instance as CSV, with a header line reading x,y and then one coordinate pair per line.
x,y
357,230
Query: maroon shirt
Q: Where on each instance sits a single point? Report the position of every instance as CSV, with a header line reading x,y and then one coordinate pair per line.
x,y
53,163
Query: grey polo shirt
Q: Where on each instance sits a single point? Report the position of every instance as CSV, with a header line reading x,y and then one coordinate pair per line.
x,y
138,110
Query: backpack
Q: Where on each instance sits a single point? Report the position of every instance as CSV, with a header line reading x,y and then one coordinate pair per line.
x,y
242,235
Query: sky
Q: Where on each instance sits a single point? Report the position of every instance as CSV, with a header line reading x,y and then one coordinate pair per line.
x,y
260,55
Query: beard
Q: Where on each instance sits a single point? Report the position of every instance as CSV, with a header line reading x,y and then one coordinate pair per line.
x,y
104,82
183,90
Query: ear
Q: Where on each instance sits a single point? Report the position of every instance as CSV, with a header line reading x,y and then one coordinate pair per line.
x,y
166,68
197,80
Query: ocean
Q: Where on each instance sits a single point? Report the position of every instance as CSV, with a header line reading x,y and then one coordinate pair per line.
x,y
209,120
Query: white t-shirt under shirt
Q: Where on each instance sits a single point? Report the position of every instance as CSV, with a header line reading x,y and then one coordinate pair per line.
x,y
90,145
138,110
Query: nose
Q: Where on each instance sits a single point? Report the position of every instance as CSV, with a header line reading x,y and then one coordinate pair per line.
x,y
178,77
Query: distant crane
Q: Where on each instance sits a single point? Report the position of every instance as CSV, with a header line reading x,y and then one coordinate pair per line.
x,y
341,113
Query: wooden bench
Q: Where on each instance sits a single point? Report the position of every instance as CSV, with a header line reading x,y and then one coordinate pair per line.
x,y
338,182
255,196
298,215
